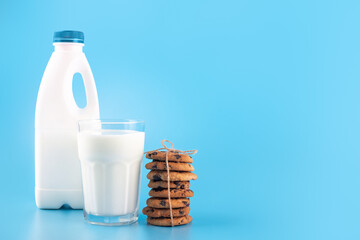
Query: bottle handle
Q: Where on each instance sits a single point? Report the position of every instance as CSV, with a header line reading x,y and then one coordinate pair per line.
x,y
80,65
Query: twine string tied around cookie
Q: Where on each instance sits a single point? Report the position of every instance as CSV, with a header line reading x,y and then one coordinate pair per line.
x,y
171,149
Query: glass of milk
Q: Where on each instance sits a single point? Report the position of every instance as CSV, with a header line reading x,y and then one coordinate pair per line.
x,y
111,154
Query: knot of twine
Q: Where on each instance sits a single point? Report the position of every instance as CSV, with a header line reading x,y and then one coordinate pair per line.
x,y
171,149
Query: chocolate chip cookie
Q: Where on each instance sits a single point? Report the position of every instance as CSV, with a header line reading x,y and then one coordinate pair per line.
x,y
164,202
174,184
172,156
167,221
174,176
173,166
174,193
163,212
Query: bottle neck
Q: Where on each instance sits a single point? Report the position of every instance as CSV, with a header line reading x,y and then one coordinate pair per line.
x,y
66,47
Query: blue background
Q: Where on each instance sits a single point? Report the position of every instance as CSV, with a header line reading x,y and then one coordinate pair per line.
x,y
267,91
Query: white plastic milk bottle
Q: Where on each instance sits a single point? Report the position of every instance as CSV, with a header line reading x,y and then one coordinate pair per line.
x,y
57,166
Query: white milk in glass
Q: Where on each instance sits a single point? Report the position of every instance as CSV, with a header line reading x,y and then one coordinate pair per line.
x,y
111,167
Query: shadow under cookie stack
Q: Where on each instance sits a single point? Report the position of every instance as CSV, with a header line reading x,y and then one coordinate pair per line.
x,y
175,187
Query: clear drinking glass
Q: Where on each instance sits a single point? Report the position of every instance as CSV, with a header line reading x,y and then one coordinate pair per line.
x,y
111,154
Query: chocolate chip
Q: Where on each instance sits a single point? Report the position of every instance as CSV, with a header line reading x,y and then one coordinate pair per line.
x,y
177,156
186,203
182,186
158,189
151,210
157,177
177,183
154,167
154,153
181,212
175,191
162,203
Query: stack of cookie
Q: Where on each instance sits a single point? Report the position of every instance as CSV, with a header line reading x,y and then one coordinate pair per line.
x,y
158,208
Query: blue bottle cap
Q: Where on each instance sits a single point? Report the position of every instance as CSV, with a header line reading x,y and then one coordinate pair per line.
x,y
69,36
